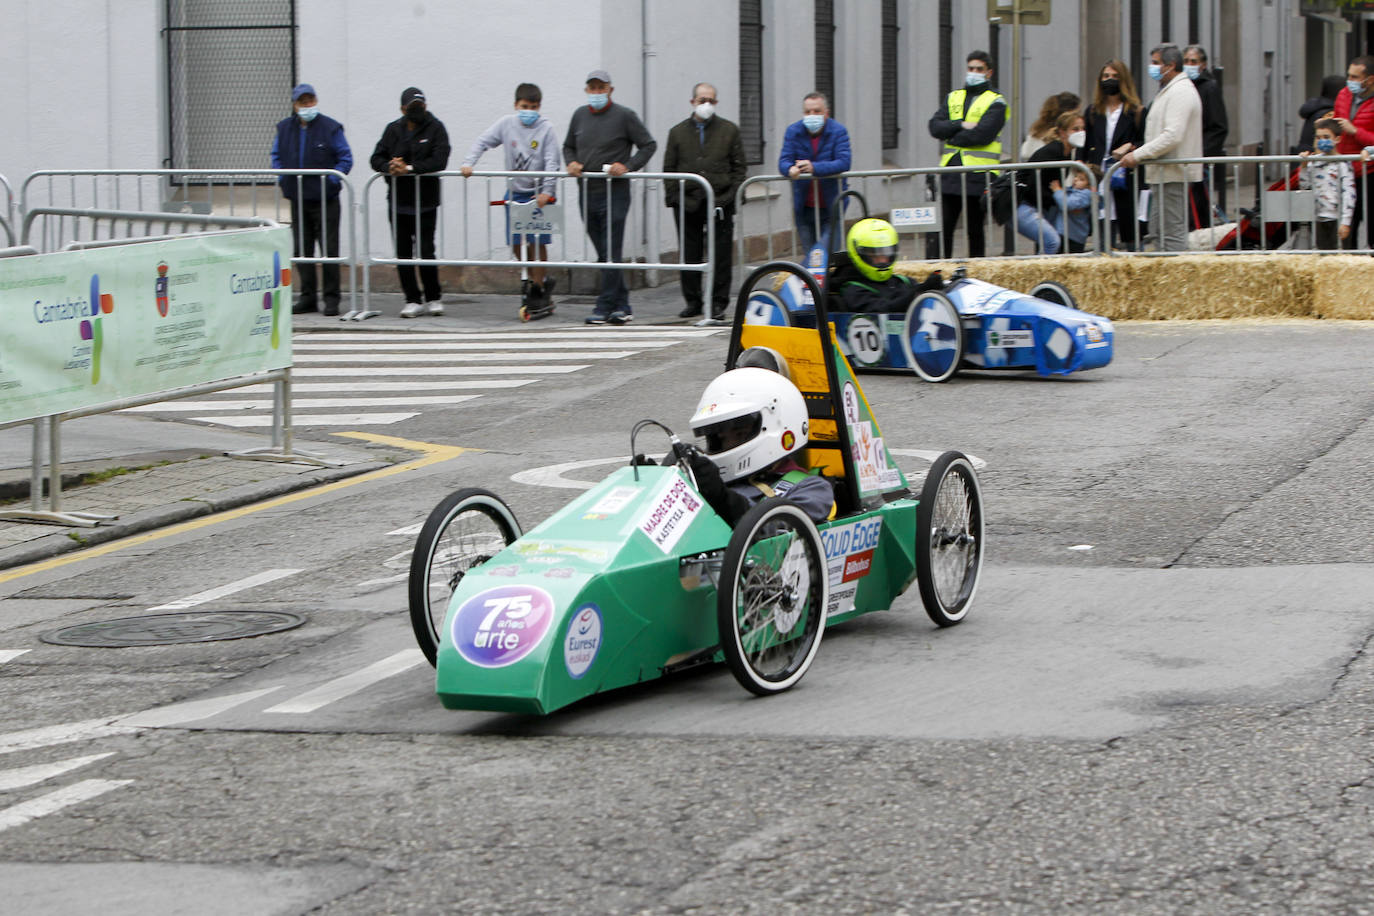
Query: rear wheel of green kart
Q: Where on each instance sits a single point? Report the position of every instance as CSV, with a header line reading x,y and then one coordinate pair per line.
x,y
465,530
949,539
771,602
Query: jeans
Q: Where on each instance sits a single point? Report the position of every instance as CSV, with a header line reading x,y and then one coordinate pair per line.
x,y
603,221
692,236
314,227
1037,228
407,228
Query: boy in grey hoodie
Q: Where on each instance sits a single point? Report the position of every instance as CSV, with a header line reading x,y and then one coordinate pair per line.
x,y
531,146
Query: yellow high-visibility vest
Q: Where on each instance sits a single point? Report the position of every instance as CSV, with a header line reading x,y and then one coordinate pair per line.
x,y
989,153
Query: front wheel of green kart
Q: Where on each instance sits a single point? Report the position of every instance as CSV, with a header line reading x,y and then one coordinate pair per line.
x,y
465,530
949,539
771,601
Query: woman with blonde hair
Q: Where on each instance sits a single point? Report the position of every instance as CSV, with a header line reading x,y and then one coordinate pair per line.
x,y
1115,123
1043,130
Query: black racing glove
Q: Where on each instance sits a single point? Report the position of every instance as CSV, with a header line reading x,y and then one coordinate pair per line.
x,y
728,504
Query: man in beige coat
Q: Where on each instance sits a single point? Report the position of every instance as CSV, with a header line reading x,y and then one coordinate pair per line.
x,y
1173,130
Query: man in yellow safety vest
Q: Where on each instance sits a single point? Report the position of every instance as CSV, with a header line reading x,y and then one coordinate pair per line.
x,y
969,124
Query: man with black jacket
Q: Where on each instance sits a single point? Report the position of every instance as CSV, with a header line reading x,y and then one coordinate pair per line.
x,y
411,146
1214,130
969,123
310,140
710,146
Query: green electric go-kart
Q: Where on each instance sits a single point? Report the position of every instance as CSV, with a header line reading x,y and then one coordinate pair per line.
x,y
639,577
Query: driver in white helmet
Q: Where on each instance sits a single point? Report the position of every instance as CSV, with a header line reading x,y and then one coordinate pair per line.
x,y
752,425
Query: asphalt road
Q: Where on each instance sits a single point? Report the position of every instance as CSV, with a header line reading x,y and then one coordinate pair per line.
x,y
1161,702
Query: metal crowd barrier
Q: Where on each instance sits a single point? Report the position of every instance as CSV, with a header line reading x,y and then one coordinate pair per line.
x,y
915,202
7,214
482,239
282,445
188,193
1282,216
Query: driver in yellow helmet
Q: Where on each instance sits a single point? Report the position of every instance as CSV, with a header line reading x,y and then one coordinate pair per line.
x,y
867,283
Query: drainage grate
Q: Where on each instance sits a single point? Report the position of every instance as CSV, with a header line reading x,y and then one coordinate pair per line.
x,y
169,629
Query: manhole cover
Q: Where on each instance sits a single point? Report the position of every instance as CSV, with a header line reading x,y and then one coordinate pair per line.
x,y
168,629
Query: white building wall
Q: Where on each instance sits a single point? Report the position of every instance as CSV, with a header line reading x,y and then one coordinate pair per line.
x,y
83,86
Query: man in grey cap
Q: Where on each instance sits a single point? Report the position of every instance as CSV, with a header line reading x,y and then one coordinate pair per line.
x,y
601,138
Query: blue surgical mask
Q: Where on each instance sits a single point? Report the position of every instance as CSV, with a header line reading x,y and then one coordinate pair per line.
x,y
1326,144
598,100
814,122
307,114
1156,72
1355,86
975,79
1192,71
527,116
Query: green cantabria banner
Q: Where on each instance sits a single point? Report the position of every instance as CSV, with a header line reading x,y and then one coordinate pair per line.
x,y
84,328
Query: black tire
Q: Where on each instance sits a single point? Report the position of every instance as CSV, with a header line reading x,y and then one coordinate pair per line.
x,y
933,350
949,539
465,530
772,596
1051,291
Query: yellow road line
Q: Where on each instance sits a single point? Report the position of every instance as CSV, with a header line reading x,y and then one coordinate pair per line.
x,y
431,454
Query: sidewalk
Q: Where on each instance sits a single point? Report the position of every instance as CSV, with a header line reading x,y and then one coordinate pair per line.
x,y
151,473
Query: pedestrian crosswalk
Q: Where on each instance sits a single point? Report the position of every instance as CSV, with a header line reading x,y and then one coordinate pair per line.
x,y
376,378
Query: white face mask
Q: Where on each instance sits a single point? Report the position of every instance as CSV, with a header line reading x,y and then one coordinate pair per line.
x,y
705,110
1078,138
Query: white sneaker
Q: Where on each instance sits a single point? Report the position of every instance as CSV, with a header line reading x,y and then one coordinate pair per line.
x,y
412,310
435,307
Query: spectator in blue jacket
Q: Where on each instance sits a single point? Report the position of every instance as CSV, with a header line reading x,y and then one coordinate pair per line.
x,y
812,148
310,140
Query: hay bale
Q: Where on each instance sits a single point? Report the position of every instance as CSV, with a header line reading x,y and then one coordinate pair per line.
x,y
1191,286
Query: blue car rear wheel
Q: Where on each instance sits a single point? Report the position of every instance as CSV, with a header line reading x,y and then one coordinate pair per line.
x,y
933,337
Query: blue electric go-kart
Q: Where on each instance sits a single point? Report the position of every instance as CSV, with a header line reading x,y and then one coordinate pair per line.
x,y
969,324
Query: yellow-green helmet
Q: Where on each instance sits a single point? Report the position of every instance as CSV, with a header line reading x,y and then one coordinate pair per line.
x,y
873,248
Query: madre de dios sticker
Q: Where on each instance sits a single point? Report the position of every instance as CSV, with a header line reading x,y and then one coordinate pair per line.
x,y
502,625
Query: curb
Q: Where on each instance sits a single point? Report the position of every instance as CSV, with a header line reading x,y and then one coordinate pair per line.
x,y
60,542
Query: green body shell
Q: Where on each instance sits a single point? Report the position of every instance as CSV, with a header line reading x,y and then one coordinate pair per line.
x,y
620,586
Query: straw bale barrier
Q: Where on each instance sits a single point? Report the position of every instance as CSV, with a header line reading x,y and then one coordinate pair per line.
x,y
1191,286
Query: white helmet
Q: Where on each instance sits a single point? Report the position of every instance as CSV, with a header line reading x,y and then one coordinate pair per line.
x,y
750,418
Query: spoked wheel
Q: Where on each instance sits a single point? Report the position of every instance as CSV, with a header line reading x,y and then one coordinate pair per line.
x,y
465,530
770,605
1051,291
933,337
949,539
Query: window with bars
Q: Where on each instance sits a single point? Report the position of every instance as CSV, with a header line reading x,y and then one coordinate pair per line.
x,y
230,68
891,125
825,52
751,79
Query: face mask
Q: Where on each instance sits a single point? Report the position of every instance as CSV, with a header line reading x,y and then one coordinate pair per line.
x,y
1355,86
1326,144
307,114
1078,138
705,110
1192,71
527,116
1156,72
814,123
598,100
414,110
975,79
1111,86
